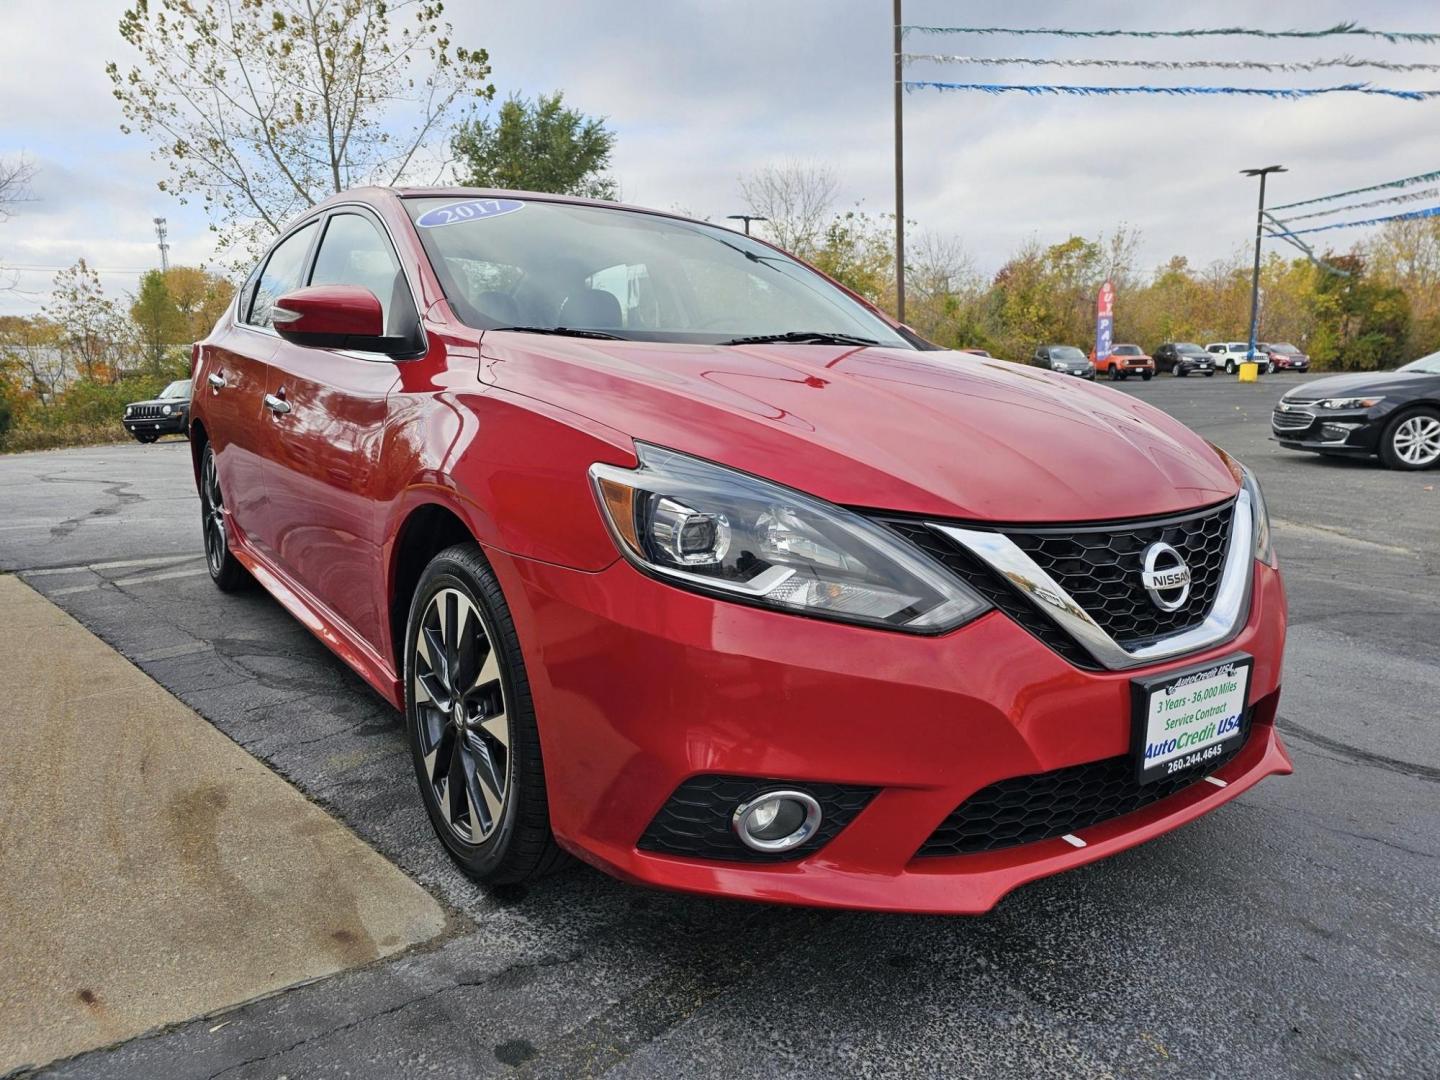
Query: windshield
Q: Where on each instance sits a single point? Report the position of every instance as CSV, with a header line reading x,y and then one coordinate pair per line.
x,y
1284,347
1068,353
1190,347
180,388
1428,365
628,274
1126,350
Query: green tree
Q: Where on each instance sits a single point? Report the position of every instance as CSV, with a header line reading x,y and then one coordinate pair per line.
x,y
537,146
157,319
262,108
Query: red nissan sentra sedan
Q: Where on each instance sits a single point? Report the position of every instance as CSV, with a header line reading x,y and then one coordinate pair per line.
x,y
683,559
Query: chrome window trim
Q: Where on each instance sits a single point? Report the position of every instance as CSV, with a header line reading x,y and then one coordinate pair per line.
x,y
1226,616
321,216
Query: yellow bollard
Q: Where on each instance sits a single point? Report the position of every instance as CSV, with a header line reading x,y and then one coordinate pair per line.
x,y
1249,371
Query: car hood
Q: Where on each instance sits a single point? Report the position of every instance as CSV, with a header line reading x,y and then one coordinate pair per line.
x,y
161,401
938,433
1361,382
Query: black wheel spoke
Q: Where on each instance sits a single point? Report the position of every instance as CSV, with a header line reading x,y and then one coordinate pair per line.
x,y
464,729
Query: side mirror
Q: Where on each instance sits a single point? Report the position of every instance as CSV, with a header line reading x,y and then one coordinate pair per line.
x,y
336,317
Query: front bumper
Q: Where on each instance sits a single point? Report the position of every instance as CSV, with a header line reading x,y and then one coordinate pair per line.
x,y
150,425
640,686
1349,431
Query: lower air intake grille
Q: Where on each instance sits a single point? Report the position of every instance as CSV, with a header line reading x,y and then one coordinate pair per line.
x,y
1042,806
695,821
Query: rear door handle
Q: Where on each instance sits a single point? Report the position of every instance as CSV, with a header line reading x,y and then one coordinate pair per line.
x,y
217,381
277,405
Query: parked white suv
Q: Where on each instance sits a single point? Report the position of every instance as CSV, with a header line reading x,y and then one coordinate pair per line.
x,y
1229,355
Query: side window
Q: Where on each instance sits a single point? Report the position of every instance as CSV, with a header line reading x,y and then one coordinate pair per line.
x,y
355,252
281,274
247,294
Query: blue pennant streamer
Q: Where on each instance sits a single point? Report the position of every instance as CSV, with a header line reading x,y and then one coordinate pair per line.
x,y
1428,212
1345,29
1422,178
1177,91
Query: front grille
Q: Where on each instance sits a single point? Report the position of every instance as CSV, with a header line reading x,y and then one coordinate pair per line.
x,y
1100,568
1291,419
144,412
1042,806
695,821
997,590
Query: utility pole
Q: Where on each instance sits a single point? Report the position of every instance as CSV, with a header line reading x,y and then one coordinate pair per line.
x,y
746,218
1259,232
162,234
899,171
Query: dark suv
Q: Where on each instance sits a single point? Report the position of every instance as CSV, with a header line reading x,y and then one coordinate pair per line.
x,y
163,415
1183,357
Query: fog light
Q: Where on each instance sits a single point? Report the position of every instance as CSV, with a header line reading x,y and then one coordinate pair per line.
x,y
1336,432
777,820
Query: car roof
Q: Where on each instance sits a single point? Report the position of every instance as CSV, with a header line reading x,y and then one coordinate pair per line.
x,y
376,194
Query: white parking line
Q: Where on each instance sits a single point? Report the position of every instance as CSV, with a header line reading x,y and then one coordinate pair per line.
x,y
138,579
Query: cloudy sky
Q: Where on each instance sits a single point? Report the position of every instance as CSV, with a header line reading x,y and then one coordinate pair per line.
x,y
700,92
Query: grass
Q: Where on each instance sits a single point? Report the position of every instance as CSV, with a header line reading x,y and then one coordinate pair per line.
x,y
22,438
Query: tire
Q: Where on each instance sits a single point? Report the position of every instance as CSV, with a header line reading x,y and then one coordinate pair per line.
x,y
1229,367
146,439
1411,441
1209,373
1179,374
1146,376
225,570
476,752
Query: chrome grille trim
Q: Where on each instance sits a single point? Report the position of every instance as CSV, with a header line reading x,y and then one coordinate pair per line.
x,y
1291,419
1224,620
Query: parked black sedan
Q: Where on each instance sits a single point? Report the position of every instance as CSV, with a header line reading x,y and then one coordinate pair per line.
x,y
164,415
1395,414
1183,357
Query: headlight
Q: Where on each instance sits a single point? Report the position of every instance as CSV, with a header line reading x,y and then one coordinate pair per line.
x,y
705,527
129,409
1057,366
1348,402
1264,546
165,410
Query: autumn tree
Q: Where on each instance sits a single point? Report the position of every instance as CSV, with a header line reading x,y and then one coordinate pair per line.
x,y
200,296
92,334
261,109
537,145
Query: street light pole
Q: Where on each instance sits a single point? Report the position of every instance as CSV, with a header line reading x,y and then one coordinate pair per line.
x,y
746,218
1259,232
899,172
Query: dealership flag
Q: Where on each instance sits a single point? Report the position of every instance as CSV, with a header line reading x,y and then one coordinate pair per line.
x,y
1104,320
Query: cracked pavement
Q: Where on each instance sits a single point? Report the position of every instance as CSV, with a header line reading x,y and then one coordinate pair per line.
x,y
1294,932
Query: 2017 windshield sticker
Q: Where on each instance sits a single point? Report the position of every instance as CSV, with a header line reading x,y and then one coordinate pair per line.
x,y
469,210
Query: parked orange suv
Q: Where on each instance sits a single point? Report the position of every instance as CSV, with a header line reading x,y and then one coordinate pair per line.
x,y
1124,361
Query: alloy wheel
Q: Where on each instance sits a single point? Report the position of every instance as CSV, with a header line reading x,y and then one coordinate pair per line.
x,y
463,725
213,514
1417,440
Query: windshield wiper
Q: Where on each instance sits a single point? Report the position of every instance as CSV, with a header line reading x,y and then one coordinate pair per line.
x,y
803,337
566,331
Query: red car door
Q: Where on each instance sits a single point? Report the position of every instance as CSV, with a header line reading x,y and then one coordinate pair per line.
x,y
327,410
233,377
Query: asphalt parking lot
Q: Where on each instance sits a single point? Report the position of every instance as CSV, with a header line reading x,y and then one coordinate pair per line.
x,y
1294,932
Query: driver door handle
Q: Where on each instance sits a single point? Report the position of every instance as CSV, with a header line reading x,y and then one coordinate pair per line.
x,y
277,405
